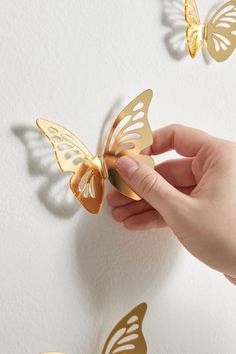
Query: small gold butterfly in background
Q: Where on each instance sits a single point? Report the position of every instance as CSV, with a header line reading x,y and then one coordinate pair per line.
x,y
219,34
127,336
129,135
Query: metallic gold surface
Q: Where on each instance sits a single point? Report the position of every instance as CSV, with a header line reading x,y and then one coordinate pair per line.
x,y
219,33
128,333
129,135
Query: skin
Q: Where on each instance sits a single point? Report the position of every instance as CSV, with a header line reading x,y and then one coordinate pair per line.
x,y
195,195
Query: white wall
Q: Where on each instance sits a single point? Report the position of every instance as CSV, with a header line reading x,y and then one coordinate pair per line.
x,y
67,277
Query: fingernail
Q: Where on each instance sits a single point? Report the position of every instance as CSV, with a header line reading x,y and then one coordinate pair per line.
x,y
126,166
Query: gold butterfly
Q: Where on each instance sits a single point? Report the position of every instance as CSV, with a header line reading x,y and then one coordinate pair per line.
x,y
219,34
130,135
127,336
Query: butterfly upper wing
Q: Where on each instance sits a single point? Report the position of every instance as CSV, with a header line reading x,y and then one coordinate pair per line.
x,y
73,156
195,30
221,32
127,336
69,150
191,12
129,135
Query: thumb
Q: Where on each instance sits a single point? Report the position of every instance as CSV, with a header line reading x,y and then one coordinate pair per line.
x,y
152,187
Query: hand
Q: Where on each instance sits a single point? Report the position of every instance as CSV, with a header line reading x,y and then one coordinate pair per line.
x,y
195,196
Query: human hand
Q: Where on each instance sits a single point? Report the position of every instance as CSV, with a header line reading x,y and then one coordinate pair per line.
x,y
195,196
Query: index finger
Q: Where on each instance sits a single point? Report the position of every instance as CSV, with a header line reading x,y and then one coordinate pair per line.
x,y
184,140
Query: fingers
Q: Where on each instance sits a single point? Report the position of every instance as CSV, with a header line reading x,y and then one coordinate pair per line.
x,y
116,199
186,190
125,211
177,172
124,208
152,187
184,140
145,221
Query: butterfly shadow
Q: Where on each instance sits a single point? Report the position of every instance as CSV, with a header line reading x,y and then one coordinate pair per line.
x,y
53,192
107,124
173,18
118,268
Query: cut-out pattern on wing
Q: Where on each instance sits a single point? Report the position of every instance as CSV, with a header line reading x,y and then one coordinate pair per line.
x,y
129,135
69,150
195,30
191,12
72,156
127,336
88,187
221,32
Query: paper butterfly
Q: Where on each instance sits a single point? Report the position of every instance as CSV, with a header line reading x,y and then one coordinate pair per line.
x,y
219,34
130,135
127,336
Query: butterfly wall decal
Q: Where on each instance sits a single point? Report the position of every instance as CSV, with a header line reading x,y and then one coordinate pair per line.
x,y
130,134
127,336
218,34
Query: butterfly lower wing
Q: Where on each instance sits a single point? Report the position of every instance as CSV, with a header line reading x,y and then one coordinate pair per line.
x,y
73,156
194,33
127,336
129,135
87,184
221,32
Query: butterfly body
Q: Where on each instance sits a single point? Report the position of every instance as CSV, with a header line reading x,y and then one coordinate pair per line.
x,y
218,34
129,136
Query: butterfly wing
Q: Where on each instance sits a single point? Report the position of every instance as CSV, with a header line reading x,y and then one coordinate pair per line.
x,y
195,31
72,156
127,336
87,184
129,135
221,32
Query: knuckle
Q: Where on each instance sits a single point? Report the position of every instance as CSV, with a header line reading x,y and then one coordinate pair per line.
x,y
148,184
175,126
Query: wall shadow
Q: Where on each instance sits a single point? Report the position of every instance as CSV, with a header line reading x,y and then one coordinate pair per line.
x,y
54,191
120,267
173,18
